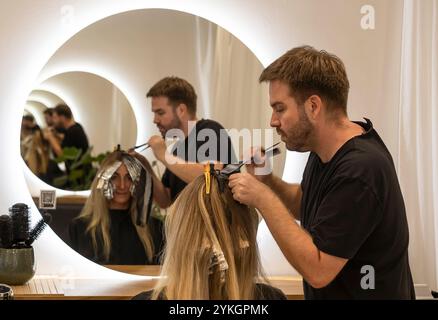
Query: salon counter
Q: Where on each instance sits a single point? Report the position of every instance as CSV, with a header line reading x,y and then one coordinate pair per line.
x,y
54,288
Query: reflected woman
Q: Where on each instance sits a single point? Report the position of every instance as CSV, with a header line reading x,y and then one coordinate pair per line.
x,y
115,226
211,250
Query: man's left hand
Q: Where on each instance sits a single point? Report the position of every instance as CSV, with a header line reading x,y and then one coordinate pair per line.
x,y
248,190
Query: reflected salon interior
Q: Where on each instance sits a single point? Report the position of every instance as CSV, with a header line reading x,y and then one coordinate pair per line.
x,y
151,146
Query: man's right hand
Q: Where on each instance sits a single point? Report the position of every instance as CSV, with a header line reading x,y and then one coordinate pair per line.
x,y
47,133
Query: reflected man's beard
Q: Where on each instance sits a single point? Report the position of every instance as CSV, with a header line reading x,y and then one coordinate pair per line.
x,y
175,124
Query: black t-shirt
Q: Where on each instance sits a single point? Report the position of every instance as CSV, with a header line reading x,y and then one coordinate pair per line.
x,y
263,292
198,151
353,208
126,246
75,137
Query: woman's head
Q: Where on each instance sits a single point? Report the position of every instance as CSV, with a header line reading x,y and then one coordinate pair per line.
x,y
114,170
120,183
211,250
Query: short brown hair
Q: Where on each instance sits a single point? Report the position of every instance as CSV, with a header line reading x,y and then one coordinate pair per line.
x,y
48,111
307,72
177,90
63,110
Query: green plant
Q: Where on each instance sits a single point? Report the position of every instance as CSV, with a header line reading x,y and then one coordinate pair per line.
x,y
81,168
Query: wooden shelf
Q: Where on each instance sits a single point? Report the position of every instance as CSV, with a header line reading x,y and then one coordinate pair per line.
x,y
55,288
66,200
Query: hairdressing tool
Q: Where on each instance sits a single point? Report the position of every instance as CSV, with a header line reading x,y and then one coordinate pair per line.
x,y
228,170
146,145
20,223
5,231
38,229
269,152
233,168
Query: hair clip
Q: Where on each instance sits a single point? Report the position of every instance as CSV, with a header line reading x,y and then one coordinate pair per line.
x,y
207,176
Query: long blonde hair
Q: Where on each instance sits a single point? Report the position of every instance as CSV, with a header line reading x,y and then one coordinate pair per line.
x,y
198,223
36,153
96,215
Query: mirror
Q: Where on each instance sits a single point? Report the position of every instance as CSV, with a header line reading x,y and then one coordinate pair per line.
x,y
52,145
136,49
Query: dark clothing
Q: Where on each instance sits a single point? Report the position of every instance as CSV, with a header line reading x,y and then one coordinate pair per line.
x,y
75,137
263,292
222,146
126,246
353,208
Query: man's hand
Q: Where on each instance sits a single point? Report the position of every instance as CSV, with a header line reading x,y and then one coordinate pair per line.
x,y
248,190
158,146
258,166
48,133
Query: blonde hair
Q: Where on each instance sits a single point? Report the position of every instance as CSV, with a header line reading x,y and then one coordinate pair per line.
x,y
196,225
96,215
36,153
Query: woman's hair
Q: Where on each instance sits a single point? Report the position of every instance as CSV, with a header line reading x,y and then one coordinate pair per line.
x,y
36,152
199,227
96,214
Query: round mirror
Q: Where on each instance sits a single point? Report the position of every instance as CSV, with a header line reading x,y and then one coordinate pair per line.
x,y
134,50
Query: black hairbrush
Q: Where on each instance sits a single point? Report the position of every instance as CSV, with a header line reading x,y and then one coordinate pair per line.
x,y
5,231
38,229
20,223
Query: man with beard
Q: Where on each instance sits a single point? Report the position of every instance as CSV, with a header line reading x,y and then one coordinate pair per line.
x,y
353,239
174,106
74,134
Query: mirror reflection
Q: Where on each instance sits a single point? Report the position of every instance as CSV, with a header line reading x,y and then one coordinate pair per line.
x,y
63,143
115,226
175,68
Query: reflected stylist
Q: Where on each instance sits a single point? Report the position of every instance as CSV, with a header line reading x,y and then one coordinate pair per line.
x,y
174,104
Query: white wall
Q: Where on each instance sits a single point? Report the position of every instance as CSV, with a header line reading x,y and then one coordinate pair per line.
x,y
96,103
49,99
268,28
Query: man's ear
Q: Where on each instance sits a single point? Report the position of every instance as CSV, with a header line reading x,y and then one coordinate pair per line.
x,y
181,110
313,106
